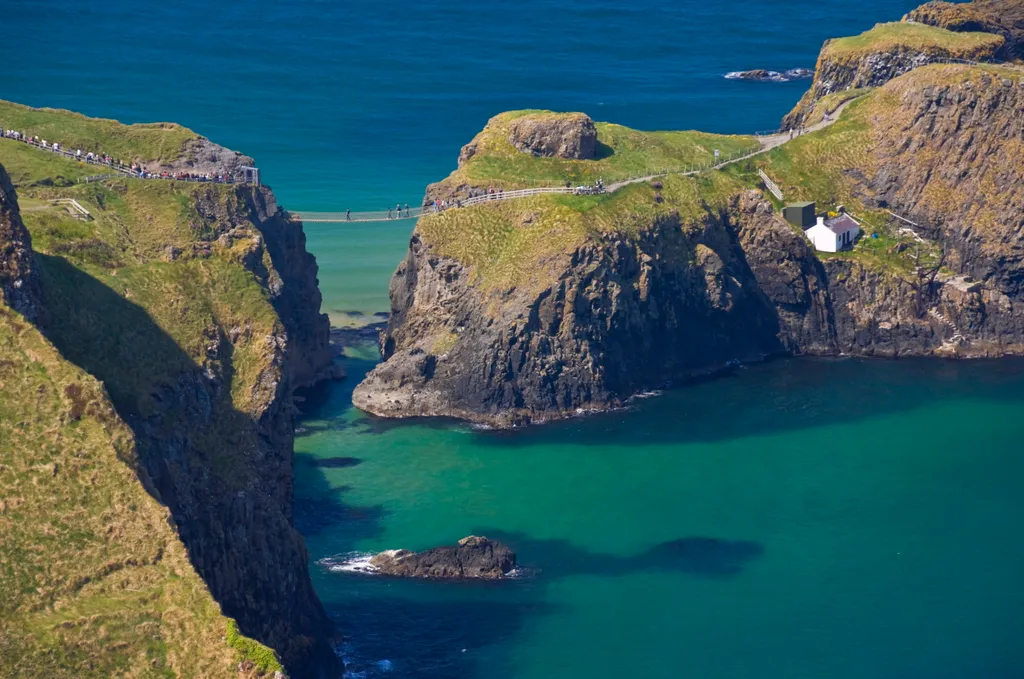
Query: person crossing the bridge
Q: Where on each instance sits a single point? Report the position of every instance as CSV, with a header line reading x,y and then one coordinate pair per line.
x,y
398,211
389,213
406,209
348,215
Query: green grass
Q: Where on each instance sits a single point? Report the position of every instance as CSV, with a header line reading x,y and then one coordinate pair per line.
x,y
160,142
253,652
623,153
521,244
893,36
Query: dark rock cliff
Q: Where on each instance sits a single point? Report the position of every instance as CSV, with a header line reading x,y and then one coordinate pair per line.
x,y
19,286
683,297
233,508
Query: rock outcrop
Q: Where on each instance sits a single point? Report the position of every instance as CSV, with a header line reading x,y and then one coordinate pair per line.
x,y
473,557
19,285
565,136
202,156
1001,17
695,290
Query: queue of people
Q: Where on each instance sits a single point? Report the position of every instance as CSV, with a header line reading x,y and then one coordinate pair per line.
x,y
133,169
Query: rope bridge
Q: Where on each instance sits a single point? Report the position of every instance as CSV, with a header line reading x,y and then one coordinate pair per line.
x,y
411,213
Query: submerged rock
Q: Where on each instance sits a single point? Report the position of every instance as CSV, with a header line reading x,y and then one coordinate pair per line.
x,y
472,557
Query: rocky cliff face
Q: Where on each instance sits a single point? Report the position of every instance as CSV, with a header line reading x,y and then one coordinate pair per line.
x,y
948,152
692,294
233,508
19,286
626,315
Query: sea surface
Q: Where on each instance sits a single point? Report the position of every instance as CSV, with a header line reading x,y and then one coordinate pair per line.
x,y
795,520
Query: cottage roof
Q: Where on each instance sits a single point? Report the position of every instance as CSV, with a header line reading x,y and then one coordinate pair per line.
x,y
841,225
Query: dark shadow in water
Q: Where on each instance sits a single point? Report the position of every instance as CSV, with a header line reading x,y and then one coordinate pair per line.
x,y
321,507
330,462
777,396
416,635
698,556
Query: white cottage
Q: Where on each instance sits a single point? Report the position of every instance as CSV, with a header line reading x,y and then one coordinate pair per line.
x,y
834,234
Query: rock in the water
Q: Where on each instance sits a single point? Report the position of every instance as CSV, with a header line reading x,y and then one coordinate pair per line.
x,y
571,135
766,76
472,557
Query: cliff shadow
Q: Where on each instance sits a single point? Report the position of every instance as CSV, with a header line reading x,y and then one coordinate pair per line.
x,y
404,629
183,418
784,394
602,151
698,556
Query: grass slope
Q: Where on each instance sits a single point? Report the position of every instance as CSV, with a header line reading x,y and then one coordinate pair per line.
x,y
93,581
828,166
163,142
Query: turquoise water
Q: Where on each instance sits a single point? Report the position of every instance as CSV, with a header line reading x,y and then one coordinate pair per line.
x,y
799,519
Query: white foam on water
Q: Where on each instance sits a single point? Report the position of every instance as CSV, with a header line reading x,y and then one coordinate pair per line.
x,y
353,562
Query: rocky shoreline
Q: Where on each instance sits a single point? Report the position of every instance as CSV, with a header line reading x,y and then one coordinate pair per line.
x,y
689,295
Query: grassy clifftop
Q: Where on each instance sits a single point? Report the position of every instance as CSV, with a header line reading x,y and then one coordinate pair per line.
x,y
158,320
151,142
895,36
621,152
523,243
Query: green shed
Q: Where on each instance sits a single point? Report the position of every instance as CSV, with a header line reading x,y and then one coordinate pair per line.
x,y
800,214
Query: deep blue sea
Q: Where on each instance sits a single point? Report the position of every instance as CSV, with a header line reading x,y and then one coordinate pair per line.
x,y
797,520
